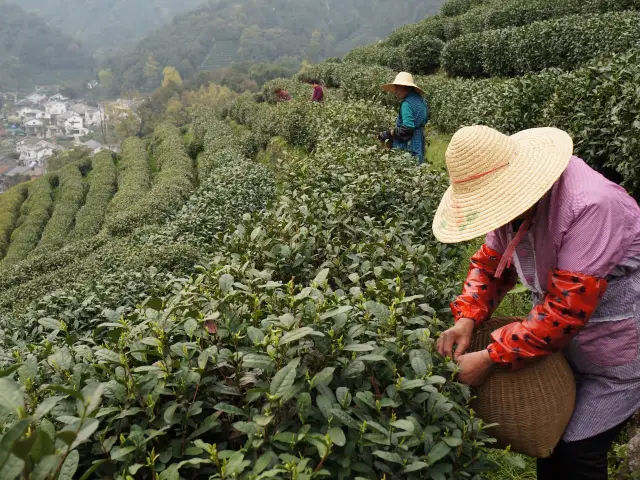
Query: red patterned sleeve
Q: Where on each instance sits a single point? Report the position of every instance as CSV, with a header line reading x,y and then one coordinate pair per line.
x,y
570,302
482,292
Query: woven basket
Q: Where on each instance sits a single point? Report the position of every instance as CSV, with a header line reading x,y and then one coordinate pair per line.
x,y
532,406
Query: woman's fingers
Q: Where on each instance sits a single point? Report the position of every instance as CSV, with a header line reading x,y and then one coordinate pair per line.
x,y
463,344
447,344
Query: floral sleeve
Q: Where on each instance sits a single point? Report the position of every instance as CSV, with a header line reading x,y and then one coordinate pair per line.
x,y
571,300
482,292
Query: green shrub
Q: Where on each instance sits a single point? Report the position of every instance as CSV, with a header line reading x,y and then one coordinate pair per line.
x,y
406,33
238,187
134,176
43,262
516,13
365,81
452,8
70,199
422,54
102,186
10,203
173,184
600,107
35,214
377,54
563,43
329,73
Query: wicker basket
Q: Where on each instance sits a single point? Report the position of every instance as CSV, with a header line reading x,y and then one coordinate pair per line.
x,y
532,406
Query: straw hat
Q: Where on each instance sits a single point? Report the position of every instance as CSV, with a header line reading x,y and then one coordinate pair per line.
x,y
404,79
495,178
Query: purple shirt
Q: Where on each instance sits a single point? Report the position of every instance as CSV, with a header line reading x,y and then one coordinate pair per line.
x,y
318,94
585,224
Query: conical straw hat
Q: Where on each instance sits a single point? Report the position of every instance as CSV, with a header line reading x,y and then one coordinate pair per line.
x,y
495,178
403,79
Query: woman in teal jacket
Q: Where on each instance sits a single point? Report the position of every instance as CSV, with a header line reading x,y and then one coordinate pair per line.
x,y
408,133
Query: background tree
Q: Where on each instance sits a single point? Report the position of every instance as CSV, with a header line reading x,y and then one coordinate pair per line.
x,y
171,77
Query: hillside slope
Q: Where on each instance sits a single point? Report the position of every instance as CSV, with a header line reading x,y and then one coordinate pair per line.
x,y
250,30
106,24
32,52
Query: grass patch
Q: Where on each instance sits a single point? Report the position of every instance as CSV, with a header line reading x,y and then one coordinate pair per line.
x,y
511,466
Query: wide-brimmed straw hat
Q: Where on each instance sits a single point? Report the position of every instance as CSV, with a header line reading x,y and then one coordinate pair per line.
x,y
404,79
495,178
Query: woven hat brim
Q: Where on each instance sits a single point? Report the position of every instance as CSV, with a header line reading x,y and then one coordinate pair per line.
x,y
388,87
480,206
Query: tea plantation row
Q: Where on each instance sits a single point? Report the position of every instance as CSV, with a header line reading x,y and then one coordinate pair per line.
x,y
104,193
507,38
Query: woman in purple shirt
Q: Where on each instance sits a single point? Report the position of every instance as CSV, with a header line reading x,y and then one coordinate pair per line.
x,y
573,239
318,92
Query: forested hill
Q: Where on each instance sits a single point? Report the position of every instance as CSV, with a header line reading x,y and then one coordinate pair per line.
x,y
225,31
103,25
32,52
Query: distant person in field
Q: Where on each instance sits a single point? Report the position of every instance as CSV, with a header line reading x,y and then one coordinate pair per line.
x,y
572,238
318,92
408,132
281,95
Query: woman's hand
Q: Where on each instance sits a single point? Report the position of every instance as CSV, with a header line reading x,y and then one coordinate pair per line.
x,y
475,368
459,336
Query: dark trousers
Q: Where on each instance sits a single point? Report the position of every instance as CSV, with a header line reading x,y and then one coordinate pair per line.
x,y
583,460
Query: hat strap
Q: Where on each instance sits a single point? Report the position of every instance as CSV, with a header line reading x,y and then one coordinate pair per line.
x,y
480,175
507,256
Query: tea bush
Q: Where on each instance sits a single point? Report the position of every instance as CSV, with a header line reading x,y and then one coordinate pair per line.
x,y
10,203
329,73
34,215
233,187
516,13
377,54
422,55
172,186
102,186
134,176
509,105
605,120
43,262
70,199
563,43
452,8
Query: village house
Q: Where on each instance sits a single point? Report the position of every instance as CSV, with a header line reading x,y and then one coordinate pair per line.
x,y
54,108
33,150
95,146
71,123
27,113
32,170
91,116
35,127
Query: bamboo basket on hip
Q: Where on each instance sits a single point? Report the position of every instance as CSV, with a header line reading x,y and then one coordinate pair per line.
x,y
529,408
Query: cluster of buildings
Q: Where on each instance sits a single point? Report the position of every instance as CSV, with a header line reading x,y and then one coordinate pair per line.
x,y
50,117
38,126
